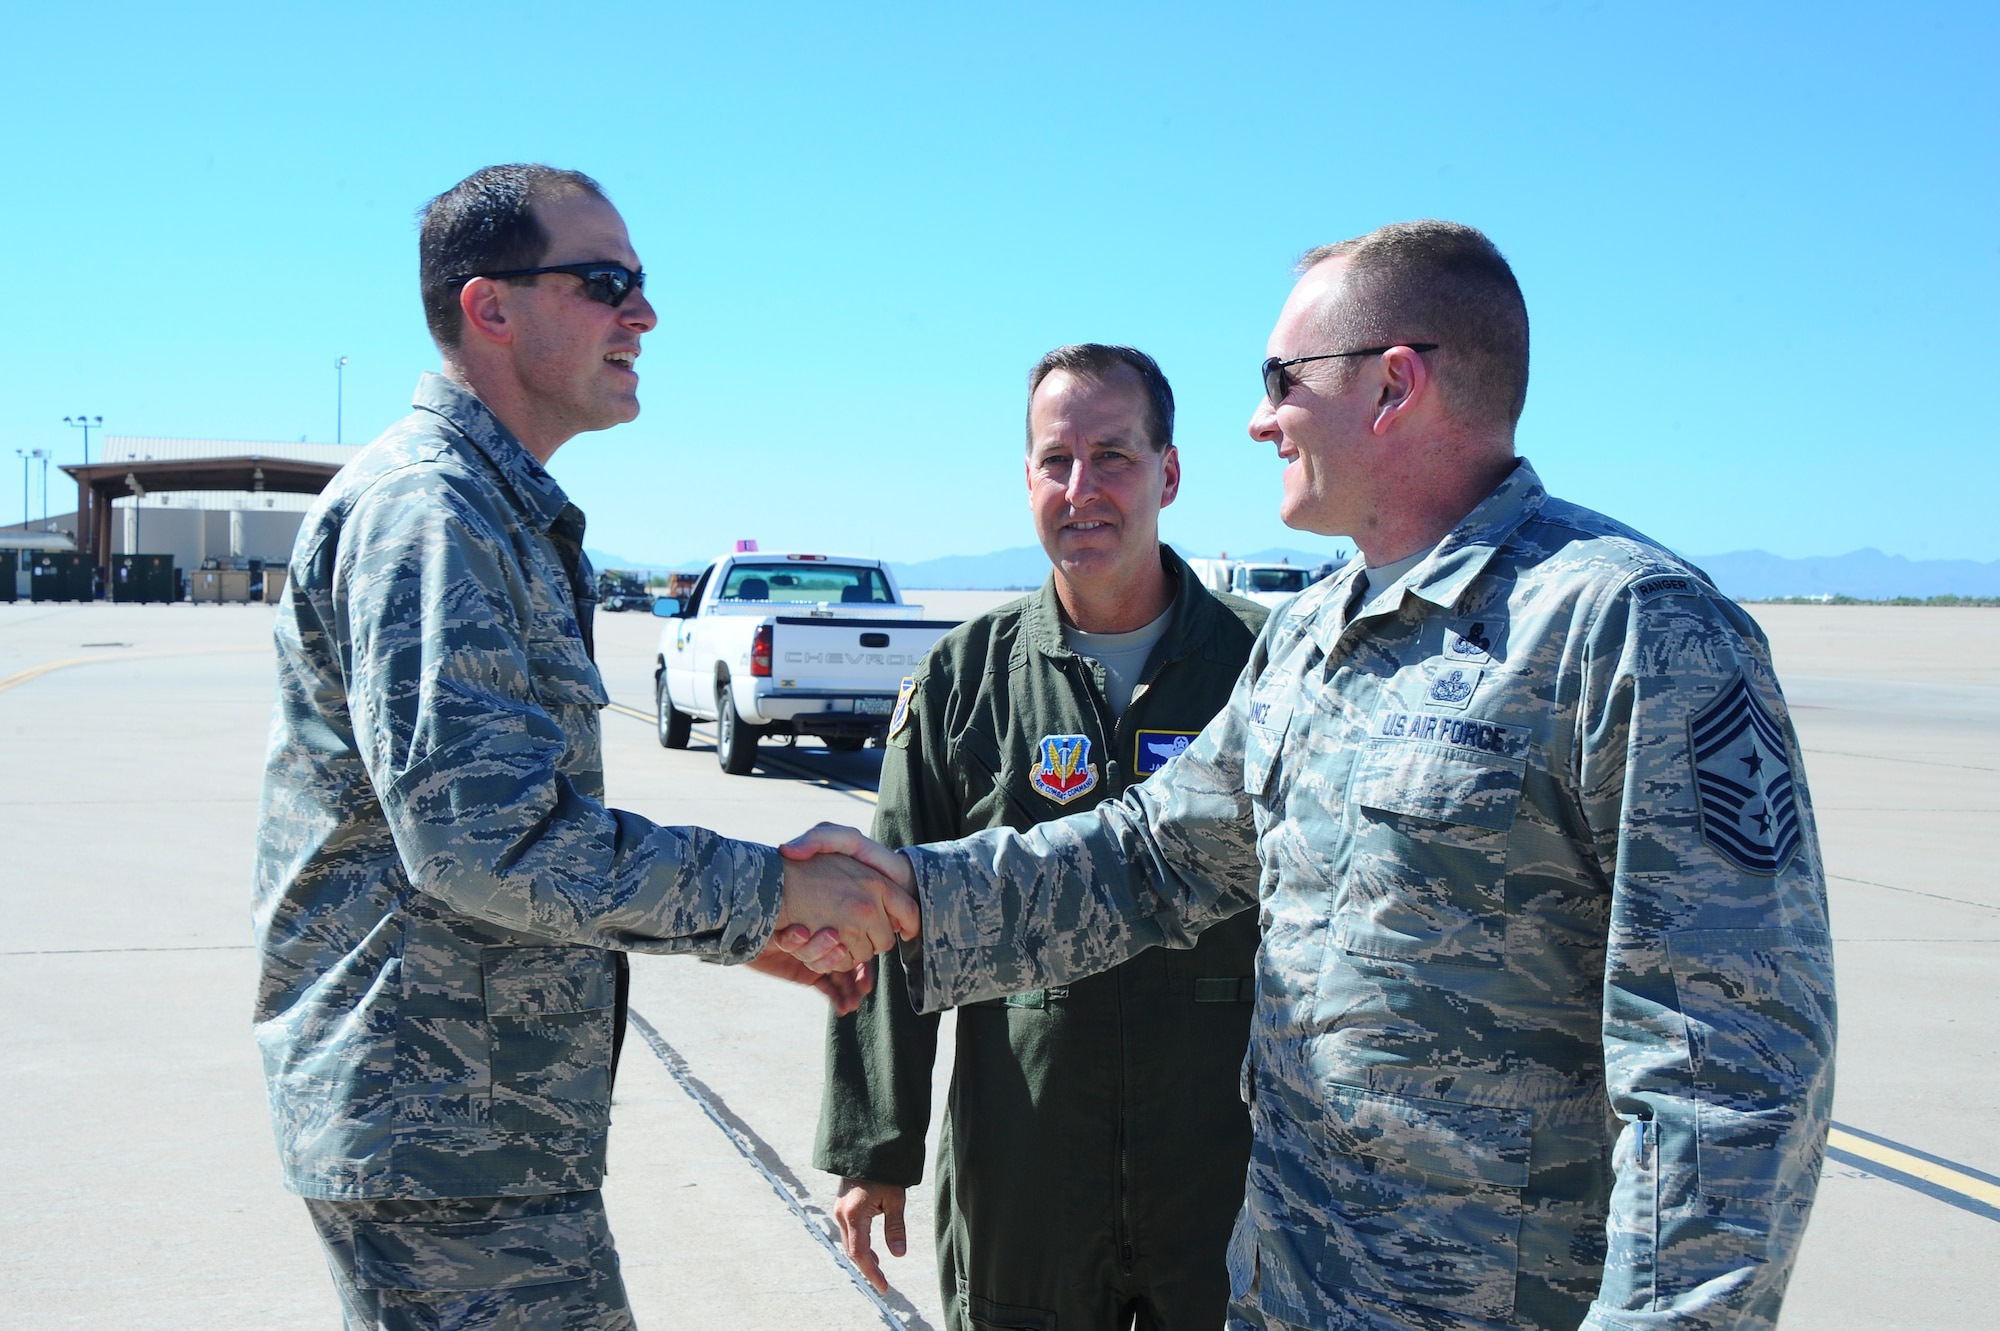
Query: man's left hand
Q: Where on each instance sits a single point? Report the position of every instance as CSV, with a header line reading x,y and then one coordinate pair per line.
x,y
843,988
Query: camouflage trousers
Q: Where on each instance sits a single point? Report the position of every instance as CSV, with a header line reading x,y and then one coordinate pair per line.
x,y
474,1264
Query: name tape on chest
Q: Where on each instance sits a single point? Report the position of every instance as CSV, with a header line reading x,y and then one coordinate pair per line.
x,y
1461,732
1153,749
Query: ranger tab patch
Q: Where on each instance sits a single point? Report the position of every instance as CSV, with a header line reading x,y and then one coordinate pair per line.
x,y
1063,770
901,716
1749,811
1155,747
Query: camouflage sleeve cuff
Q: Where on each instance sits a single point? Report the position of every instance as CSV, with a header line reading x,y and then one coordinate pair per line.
x,y
758,889
940,962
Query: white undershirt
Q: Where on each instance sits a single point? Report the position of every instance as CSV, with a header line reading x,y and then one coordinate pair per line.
x,y
1378,583
1123,656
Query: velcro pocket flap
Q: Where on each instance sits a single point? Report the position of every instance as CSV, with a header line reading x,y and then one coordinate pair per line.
x,y
533,981
1434,1137
480,1254
1442,784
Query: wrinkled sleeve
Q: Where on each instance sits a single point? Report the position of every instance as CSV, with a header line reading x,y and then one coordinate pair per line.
x,y
433,618
1718,991
1006,911
875,1107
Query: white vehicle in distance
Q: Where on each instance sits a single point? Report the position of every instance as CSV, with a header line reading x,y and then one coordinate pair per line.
x,y
785,644
1269,584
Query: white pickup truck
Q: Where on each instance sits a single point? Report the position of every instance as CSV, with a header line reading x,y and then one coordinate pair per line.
x,y
784,644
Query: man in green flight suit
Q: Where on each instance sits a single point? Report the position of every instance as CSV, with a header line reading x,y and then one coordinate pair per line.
x,y
1095,1145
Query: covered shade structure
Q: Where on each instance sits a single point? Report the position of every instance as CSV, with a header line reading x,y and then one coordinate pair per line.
x,y
99,483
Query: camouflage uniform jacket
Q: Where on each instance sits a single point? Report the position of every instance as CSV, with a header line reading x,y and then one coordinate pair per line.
x,y
1544,1025
1139,1060
438,883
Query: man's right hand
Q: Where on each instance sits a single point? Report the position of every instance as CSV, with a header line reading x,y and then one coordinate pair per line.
x,y
860,1202
841,897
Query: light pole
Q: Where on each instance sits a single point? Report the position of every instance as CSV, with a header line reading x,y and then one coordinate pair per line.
x,y
22,454
84,423
40,455
339,370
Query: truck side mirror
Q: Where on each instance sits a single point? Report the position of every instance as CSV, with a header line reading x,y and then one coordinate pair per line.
x,y
667,607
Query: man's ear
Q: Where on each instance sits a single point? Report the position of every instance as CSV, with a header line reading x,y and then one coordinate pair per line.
x,y
1171,464
482,304
1406,380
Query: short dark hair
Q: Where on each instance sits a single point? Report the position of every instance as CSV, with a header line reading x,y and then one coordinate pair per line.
x,y
484,224
1440,282
1094,361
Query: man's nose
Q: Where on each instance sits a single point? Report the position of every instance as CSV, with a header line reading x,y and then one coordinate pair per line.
x,y
1264,422
1082,484
638,313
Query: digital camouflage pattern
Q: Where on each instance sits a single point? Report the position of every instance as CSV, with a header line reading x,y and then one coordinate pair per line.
x,y
477,1264
438,885
1545,1016
1093,1146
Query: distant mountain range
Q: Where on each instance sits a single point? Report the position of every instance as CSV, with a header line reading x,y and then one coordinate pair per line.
x,y
1747,575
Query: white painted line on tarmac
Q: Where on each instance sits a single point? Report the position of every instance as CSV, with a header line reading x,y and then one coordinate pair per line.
x,y
896,1311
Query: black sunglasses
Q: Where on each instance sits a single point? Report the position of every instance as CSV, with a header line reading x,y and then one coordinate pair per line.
x,y
1278,381
605,282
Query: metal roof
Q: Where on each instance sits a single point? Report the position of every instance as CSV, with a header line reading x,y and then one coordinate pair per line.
x,y
143,448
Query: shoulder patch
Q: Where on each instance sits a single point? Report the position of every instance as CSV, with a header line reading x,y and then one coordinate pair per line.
x,y
1668,584
901,716
1749,807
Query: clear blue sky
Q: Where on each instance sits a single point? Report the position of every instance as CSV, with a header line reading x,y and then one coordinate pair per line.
x,y
1760,244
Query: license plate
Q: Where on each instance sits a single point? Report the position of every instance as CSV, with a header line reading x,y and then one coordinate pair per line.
x,y
875,706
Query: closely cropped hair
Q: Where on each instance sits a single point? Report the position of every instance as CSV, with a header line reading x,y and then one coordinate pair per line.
x,y
1439,282
484,224
1095,360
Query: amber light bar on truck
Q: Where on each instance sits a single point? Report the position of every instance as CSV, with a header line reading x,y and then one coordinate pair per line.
x,y
760,652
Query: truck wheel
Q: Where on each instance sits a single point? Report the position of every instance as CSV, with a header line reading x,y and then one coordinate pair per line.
x,y
844,743
735,742
674,723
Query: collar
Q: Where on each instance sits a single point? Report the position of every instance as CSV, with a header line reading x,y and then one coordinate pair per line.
x,y
534,489
1044,618
1452,565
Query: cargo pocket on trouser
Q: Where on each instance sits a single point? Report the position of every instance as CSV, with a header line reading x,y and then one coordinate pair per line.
x,y
1424,1200
550,1009
989,1315
504,1264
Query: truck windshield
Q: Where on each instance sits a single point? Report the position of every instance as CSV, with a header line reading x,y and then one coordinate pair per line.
x,y
1275,579
808,583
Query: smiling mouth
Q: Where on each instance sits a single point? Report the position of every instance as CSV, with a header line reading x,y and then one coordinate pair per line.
x,y
622,359
1086,526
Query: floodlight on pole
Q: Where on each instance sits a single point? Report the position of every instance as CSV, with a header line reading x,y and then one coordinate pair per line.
x,y
22,454
339,385
84,423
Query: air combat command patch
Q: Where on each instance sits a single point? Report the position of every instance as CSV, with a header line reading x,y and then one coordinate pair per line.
x,y
1749,811
1154,747
1063,770
901,716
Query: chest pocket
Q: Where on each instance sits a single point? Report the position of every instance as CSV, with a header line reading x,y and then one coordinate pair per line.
x,y
1428,874
550,1013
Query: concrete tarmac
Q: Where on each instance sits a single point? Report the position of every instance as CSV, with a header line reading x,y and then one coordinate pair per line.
x,y
135,1157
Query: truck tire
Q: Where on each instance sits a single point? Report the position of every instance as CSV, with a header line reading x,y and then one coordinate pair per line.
x,y
844,743
735,742
674,723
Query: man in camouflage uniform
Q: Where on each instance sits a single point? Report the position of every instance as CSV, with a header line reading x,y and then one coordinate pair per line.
x,y
1544,1023
1094,1148
442,899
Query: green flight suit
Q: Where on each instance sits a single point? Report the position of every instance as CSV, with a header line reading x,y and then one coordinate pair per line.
x,y
1095,1144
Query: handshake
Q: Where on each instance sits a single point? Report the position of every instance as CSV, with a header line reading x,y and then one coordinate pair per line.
x,y
846,898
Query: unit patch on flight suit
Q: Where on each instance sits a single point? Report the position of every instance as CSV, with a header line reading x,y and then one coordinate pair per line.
x,y
1749,813
1063,770
1154,747
901,716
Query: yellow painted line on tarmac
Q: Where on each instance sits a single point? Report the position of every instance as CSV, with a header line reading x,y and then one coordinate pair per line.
x,y
21,677
1932,1171
770,759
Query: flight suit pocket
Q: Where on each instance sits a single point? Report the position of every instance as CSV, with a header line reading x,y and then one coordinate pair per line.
x,y
1424,1200
550,1009
1428,872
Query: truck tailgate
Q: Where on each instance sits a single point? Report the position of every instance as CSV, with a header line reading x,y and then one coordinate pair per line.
x,y
859,656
